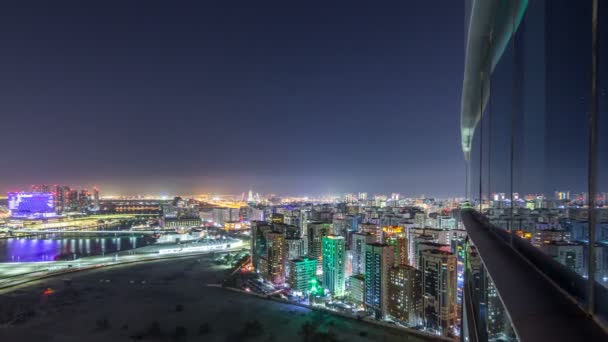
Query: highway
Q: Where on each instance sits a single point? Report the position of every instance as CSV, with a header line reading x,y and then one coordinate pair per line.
x,y
16,273
92,232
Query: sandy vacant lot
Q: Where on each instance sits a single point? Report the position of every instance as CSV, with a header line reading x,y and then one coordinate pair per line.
x,y
165,301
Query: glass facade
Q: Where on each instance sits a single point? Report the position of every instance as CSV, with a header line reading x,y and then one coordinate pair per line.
x,y
538,160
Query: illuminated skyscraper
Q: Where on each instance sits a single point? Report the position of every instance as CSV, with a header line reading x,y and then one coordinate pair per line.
x,y
72,202
566,253
84,200
316,232
446,222
275,258
258,243
254,214
405,294
41,188
439,290
420,220
372,228
277,218
334,259
401,250
95,199
415,248
62,194
395,198
379,258
294,248
362,196
356,286
357,249
545,236
425,246
302,271
562,195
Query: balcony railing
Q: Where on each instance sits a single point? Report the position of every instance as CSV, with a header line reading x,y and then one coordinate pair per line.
x,y
544,300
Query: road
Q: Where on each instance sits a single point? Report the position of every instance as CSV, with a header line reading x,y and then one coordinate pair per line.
x,y
85,232
16,273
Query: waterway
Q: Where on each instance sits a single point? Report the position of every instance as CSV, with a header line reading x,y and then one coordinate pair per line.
x,y
51,247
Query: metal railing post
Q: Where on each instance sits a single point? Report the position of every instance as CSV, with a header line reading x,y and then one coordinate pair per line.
x,y
593,147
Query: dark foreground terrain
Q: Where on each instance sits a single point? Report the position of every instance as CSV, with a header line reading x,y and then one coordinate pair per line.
x,y
165,301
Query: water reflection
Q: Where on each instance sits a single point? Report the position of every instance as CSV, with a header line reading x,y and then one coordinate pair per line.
x,y
55,247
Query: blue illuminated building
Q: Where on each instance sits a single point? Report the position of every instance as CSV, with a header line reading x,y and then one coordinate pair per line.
x,y
31,204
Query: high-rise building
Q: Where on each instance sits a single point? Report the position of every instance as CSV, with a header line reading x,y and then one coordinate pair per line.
x,y
545,236
566,253
415,248
601,263
372,228
62,194
340,226
84,200
302,271
562,195
95,199
395,198
401,249
439,290
258,243
277,218
446,222
379,258
334,259
295,248
304,219
357,249
73,203
316,232
223,215
255,214
356,287
420,220
41,188
424,246
290,231
405,294
275,257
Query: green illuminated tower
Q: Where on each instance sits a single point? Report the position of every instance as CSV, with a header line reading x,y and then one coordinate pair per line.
x,y
302,273
334,252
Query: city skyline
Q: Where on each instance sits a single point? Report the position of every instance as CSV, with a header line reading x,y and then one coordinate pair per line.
x,y
314,171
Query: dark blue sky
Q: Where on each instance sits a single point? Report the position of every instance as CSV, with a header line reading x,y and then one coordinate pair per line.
x,y
293,98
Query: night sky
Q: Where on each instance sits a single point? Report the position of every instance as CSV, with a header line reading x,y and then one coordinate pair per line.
x,y
285,97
